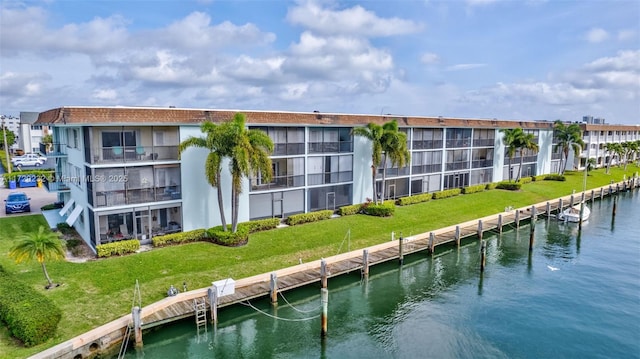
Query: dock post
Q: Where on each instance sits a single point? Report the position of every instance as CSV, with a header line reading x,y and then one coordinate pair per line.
x,y
571,202
324,294
614,206
601,193
273,289
517,218
400,250
457,236
580,218
560,205
610,190
365,263
500,224
593,194
212,293
548,209
483,255
582,196
480,229
534,213
533,227
137,325
432,242
323,273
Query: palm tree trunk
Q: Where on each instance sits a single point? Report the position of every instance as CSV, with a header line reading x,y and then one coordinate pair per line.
x,y
46,275
384,177
510,169
234,208
520,168
375,188
223,218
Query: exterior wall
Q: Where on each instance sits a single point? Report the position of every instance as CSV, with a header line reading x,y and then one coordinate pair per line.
x,y
499,161
362,177
545,145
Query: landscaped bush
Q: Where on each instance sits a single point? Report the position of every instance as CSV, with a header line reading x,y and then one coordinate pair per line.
x,y
447,193
418,198
178,238
491,185
48,175
384,209
555,177
511,186
537,178
30,316
118,248
228,238
525,180
261,224
349,210
64,228
474,189
301,218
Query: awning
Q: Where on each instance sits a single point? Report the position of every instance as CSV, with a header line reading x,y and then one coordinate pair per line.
x,y
73,217
66,207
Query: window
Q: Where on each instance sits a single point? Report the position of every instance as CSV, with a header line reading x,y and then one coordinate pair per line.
x,y
457,159
426,162
286,140
483,137
330,169
287,172
482,157
427,138
322,140
458,137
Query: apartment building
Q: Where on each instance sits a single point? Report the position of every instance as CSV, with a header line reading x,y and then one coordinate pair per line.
x,y
596,136
120,175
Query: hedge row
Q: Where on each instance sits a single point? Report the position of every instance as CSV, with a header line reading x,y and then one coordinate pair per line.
x,y
349,210
48,175
260,225
525,180
491,185
384,209
511,186
474,189
30,316
447,193
555,177
178,238
117,248
309,217
418,198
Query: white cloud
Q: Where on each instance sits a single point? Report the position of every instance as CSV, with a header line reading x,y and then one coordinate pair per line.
x,y
352,21
462,67
105,95
429,58
626,35
480,2
597,35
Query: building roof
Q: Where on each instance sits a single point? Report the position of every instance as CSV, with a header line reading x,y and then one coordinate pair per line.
x,y
609,127
79,115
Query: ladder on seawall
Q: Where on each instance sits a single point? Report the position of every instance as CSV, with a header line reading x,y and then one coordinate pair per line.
x,y
200,307
125,342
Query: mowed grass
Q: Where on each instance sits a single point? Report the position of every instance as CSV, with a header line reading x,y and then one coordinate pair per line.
x,y
96,292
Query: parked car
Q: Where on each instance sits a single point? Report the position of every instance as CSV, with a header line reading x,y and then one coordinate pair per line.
x,y
29,159
17,202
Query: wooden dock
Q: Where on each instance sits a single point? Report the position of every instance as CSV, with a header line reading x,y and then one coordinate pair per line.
x,y
182,305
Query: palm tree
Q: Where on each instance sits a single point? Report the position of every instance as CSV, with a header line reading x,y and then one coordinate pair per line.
x,y
512,139
42,245
373,132
612,148
249,154
217,151
394,148
628,149
527,142
569,138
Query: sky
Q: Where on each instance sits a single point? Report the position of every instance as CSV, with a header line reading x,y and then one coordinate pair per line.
x,y
504,59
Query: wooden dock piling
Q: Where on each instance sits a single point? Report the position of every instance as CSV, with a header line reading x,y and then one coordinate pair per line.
x,y
480,229
323,273
500,224
324,294
365,263
137,325
517,218
532,231
400,250
212,294
432,242
273,289
457,236
560,205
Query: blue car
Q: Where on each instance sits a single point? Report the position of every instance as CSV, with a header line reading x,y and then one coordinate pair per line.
x,y
17,202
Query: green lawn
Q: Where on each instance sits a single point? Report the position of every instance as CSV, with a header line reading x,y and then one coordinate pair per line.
x,y
96,292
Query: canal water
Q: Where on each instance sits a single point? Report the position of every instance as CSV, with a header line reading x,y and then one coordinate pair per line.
x,y
575,296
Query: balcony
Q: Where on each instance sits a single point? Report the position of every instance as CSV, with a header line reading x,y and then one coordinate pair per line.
x,y
135,196
279,182
126,154
55,186
53,149
481,163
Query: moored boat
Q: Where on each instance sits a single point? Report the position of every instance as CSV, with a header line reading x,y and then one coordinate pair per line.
x,y
572,214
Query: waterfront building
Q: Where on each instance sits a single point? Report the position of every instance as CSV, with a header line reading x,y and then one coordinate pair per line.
x,y
120,176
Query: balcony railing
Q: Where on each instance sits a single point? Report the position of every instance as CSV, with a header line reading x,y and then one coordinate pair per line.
x,y
478,142
280,182
426,168
481,163
456,166
426,144
53,149
133,196
55,186
120,154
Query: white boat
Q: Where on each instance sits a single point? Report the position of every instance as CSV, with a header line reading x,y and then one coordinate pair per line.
x,y
572,214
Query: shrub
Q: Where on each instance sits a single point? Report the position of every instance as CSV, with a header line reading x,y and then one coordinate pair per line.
x,y
418,198
349,210
30,316
537,178
447,193
309,217
384,209
261,224
555,177
228,238
178,238
118,248
474,189
525,180
47,175
491,186
63,227
511,186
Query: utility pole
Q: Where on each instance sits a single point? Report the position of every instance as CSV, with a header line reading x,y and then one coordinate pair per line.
x,y
6,148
